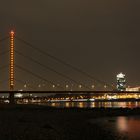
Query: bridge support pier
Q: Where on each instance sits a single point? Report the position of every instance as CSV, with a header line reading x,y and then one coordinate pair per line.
x,y
11,98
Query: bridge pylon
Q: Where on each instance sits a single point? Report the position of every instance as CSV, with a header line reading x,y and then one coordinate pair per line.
x,y
11,67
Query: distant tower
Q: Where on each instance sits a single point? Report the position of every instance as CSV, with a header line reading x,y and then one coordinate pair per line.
x,y
121,82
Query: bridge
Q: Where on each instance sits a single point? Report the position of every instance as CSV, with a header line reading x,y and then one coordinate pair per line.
x,y
25,79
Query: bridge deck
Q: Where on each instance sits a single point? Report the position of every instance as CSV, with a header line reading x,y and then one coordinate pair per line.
x,y
65,92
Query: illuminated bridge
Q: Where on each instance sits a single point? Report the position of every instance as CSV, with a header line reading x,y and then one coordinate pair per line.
x,y
27,73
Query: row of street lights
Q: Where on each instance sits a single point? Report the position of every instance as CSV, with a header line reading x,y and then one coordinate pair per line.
x,y
26,86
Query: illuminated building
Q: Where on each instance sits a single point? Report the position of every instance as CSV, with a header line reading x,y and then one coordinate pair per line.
x,y
133,89
121,82
18,95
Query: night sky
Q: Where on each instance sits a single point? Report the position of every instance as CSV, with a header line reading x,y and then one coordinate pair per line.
x,y
99,37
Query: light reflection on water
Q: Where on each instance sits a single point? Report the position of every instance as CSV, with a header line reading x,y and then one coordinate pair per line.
x,y
95,104
129,126
122,127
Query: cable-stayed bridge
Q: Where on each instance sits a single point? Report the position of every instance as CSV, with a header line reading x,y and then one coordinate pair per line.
x,y
27,71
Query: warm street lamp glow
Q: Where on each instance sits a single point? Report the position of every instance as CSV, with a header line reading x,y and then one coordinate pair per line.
x,y
25,86
92,86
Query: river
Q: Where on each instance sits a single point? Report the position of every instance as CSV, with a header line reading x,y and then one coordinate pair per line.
x,y
121,128
95,104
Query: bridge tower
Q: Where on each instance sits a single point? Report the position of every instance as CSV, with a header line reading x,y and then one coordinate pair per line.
x,y
11,78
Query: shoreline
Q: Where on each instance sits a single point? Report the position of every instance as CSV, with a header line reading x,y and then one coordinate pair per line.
x,y
37,122
98,112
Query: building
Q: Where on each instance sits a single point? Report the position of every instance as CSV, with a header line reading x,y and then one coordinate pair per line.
x,y
133,88
121,82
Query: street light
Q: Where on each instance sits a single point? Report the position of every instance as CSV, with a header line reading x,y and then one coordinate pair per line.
x,y
92,86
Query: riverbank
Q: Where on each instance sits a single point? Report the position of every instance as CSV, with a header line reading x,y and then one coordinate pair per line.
x,y
34,122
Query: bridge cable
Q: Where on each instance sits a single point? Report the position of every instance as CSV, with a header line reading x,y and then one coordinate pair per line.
x,y
4,52
36,75
51,69
3,82
22,82
63,62
3,67
4,38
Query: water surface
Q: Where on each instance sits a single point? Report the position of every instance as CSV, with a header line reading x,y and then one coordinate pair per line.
x,y
122,127
95,104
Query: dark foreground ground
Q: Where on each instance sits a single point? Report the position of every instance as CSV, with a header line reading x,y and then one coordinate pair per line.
x,y
32,122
